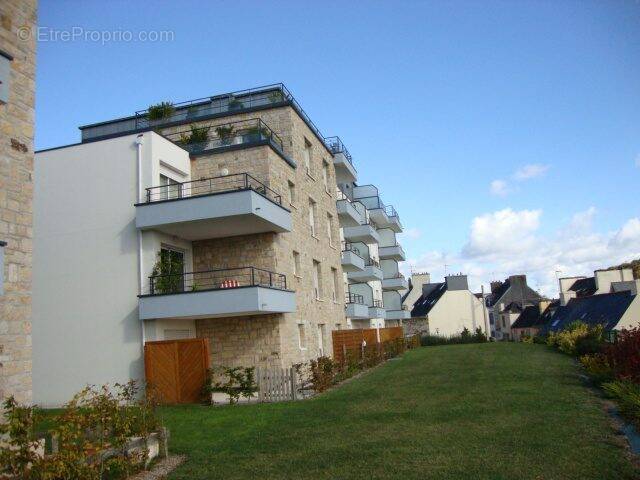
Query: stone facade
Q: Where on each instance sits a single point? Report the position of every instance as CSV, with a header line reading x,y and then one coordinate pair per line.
x,y
16,194
278,340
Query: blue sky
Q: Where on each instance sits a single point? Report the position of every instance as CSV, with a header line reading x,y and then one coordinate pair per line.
x,y
506,134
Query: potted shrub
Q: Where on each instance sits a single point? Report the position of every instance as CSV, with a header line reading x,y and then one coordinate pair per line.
x,y
196,140
225,134
255,134
276,96
235,104
159,112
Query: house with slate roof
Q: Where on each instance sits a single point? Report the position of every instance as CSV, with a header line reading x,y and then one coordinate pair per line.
x,y
446,308
609,298
533,318
506,302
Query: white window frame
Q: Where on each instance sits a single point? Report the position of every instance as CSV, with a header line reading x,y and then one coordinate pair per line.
x,y
313,214
307,155
334,276
296,264
321,334
317,280
330,228
292,192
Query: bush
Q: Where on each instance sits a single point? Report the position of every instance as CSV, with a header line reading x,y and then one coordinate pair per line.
x,y
526,339
465,337
627,395
598,368
323,372
577,339
236,382
624,355
92,434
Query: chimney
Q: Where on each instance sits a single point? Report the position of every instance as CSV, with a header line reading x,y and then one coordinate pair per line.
x,y
418,280
518,280
604,278
457,282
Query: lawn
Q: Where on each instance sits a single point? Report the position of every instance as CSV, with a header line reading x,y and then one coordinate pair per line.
x,y
490,411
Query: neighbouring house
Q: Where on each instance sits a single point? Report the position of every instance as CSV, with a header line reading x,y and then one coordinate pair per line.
x,y
415,325
506,302
609,298
229,218
17,93
533,318
446,308
603,281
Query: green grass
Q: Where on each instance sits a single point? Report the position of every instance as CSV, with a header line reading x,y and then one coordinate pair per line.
x,y
490,411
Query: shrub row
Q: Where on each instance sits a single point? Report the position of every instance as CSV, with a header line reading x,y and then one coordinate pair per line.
x,y
465,337
613,366
92,433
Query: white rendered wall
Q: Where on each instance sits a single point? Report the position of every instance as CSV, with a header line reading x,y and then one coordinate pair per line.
x,y
455,310
85,306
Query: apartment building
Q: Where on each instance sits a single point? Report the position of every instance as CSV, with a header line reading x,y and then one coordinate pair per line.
x,y
219,218
371,254
17,92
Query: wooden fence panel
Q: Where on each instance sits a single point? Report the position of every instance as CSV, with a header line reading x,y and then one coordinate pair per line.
x,y
345,341
276,384
177,369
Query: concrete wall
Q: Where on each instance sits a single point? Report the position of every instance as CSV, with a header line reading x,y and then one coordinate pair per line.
x,y
454,311
85,311
604,278
16,198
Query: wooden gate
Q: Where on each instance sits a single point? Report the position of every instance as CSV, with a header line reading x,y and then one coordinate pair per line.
x,y
177,369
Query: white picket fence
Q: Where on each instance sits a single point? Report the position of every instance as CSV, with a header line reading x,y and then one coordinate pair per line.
x,y
278,385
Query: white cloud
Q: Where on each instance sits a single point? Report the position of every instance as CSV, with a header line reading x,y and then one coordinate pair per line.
x,y
531,170
499,188
508,242
502,232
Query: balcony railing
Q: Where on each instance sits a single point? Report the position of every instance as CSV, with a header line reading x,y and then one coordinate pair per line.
x,y
350,247
370,262
229,103
354,298
390,211
336,146
378,304
215,280
198,139
207,186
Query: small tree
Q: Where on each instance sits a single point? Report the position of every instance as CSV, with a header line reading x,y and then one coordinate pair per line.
x,y
160,111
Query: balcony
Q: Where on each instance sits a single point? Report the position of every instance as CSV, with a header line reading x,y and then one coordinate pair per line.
x,y
345,171
365,233
352,260
355,307
206,139
216,207
349,214
377,310
370,273
394,219
392,252
396,282
216,293
402,314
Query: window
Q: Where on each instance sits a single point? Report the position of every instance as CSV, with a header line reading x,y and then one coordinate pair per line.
x,y
302,340
296,264
321,339
292,192
338,326
175,334
317,275
330,228
325,175
171,188
5,76
306,155
312,216
334,277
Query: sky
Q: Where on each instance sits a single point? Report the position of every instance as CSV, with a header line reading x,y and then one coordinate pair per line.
x,y
506,134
